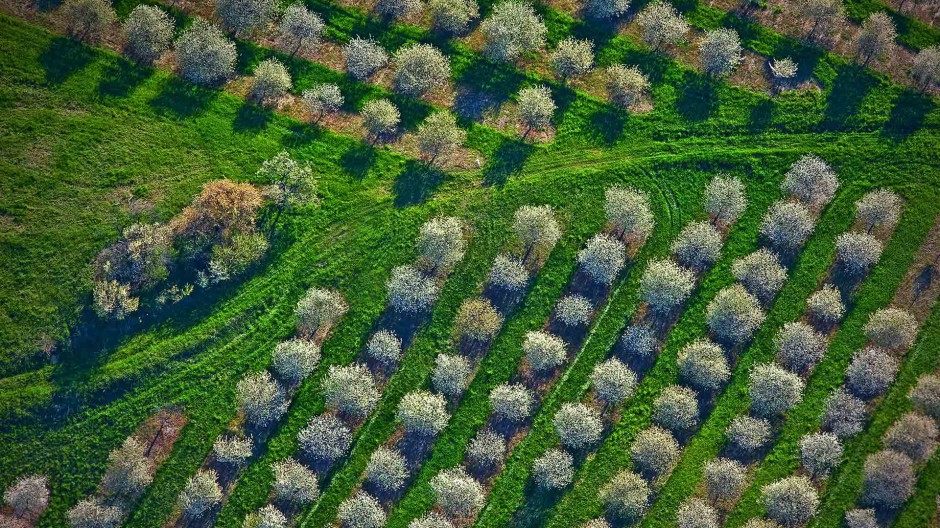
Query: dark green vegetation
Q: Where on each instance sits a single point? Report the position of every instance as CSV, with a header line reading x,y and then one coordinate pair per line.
x,y
80,127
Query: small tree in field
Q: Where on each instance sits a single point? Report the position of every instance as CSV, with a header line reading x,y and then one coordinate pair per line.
x,y
508,274
325,438
725,198
748,434
441,242
602,258
654,451
553,470
783,71
202,492
512,403
535,108
696,513
439,135
827,16
543,351
662,25
878,208
28,496
243,17
399,8
295,359
149,32
384,347
724,478
87,20
452,16
613,382
888,479
90,513
605,9
129,469
913,434
573,57
773,390
856,253
639,342
386,469
578,426
422,413
573,310
721,52
676,408
292,184
702,365
626,497
698,245
790,501
410,291
536,228
760,273
926,68
845,414
351,390
261,399
734,315
458,495
811,180
876,39
361,511
628,212
294,483
891,328
419,68
926,395
477,320
364,57
204,55
451,374
300,28
799,347
323,99
266,517
380,118
512,30
787,226
820,453
825,306
486,450
319,309
626,85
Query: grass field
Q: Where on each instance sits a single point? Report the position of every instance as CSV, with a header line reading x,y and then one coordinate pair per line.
x,y
90,143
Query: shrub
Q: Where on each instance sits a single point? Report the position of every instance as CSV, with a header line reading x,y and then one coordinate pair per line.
x,y
149,32
790,501
28,496
856,253
613,381
698,245
676,408
351,390
323,98
431,520
326,438
760,273
820,453
361,511
578,426
600,522
508,273
137,261
419,68
295,359
725,198
512,30
451,374
90,513
439,135
477,320
888,479
553,470
827,16
441,241
422,413
574,310
811,180
458,494
825,306
638,341
734,315
702,365
399,8
386,469
773,390
787,226
235,255
294,483
543,351
202,492
232,450
913,434
536,227
626,496
261,399
87,20
604,9
267,517
380,118
876,38
799,347
859,518
720,51
662,25
512,403
626,85
926,395
748,434
926,68
602,258
783,70
628,211
384,347
204,55
221,212
878,208
364,57
410,291
299,27
891,328
291,183
870,373
695,513
845,414
573,57
536,107
654,451
245,16
113,300
452,16
724,478
486,450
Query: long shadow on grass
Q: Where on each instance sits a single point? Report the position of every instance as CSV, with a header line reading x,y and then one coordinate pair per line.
x,y
848,91
180,100
63,58
121,78
698,98
505,161
908,114
416,183
251,119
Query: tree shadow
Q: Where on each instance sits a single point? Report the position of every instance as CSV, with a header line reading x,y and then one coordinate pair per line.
x,y
180,99
908,114
697,99
46,5
851,85
251,118
300,135
608,124
121,78
539,505
762,115
505,161
357,160
416,183
63,58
